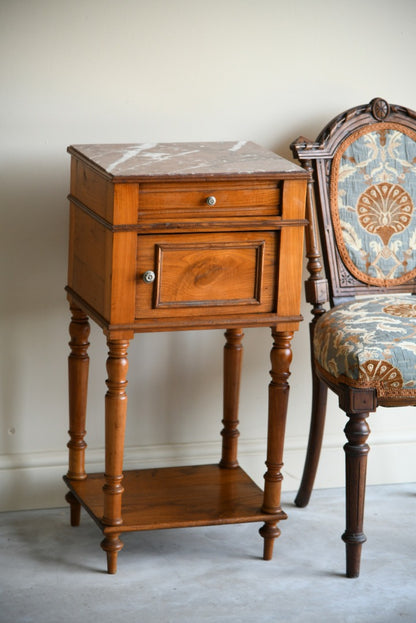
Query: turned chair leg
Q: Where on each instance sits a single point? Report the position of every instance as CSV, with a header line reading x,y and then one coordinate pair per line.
x,y
356,451
316,431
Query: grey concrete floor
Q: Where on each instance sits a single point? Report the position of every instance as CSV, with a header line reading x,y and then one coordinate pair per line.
x,y
52,573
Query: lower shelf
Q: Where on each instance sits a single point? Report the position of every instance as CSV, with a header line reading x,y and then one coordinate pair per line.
x,y
177,497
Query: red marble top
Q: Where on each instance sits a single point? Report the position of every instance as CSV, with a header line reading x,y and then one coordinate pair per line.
x,y
185,160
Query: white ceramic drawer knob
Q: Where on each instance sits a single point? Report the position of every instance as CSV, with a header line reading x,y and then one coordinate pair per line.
x,y
211,201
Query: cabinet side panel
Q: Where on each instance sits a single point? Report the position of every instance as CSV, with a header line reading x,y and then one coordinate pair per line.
x,y
89,251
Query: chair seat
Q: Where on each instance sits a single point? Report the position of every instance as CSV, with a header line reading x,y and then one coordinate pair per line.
x,y
370,342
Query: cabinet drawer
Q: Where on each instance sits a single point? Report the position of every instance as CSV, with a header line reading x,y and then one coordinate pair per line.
x,y
199,273
207,200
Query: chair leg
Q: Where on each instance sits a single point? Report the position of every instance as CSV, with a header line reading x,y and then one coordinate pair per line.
x,y
356,451
316,431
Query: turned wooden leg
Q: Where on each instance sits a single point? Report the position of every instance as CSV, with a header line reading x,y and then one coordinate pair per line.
x,y
78,364
356,451
115,423
233,354
281,357
316,431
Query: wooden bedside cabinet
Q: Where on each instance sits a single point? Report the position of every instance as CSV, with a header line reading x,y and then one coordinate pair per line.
x,y
179,236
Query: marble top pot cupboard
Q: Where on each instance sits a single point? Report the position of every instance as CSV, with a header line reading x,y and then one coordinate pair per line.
x,y
169,237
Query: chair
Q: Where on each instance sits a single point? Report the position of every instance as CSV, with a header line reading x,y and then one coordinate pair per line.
x,y
363,193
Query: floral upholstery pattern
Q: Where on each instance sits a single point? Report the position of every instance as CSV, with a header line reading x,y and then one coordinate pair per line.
x,y
373,196
370,342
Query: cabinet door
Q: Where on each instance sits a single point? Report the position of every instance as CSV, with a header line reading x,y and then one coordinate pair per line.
x,y
201,274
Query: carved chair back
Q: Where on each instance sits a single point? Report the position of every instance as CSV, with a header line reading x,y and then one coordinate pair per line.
x,y
364,169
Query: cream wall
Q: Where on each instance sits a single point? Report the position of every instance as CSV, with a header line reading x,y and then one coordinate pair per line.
x,y
167,70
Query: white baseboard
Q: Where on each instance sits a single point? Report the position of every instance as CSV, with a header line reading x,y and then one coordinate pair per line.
x,y
29,481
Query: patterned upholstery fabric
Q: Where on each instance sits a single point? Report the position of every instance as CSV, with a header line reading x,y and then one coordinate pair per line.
x,y
373,191
370,342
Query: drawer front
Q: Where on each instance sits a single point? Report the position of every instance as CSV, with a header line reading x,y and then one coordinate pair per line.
x,y
197,274
207,200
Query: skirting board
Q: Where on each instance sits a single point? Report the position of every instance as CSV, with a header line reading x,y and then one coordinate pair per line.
x,y
29,481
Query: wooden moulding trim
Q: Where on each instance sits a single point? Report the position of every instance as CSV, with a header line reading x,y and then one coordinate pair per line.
x,y
144,325
201,323
249,224
254,222
226,177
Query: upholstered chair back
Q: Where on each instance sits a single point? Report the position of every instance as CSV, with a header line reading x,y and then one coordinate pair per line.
x,y
373,204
